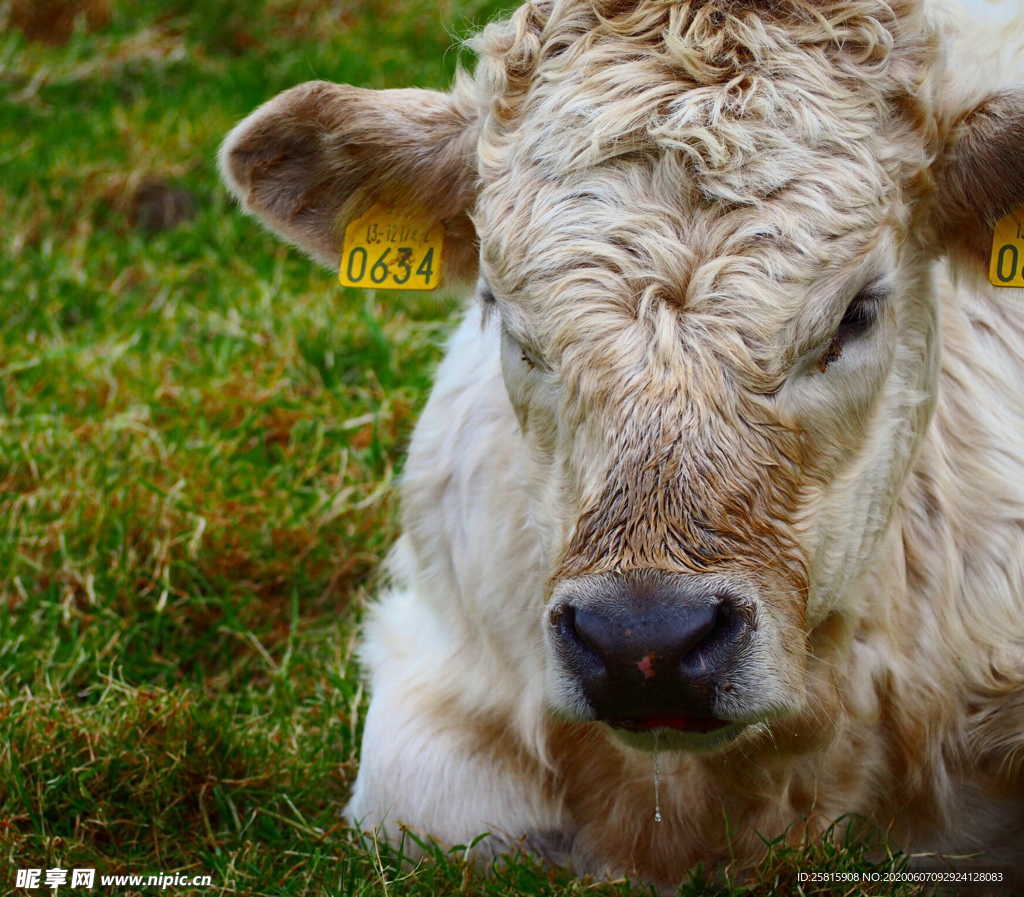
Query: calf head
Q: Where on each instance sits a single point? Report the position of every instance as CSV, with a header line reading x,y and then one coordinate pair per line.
x,y
705,229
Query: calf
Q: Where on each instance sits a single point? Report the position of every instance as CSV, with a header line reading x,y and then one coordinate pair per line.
x,y
724,464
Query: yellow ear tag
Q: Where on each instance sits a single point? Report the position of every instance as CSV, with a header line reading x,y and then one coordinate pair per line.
x,y
392,248
1007,266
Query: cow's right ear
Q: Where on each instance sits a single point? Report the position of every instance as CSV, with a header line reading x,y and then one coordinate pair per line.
x,y
980,177
319,154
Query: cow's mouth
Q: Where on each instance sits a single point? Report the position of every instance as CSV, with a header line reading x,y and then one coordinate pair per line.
x,y
679,723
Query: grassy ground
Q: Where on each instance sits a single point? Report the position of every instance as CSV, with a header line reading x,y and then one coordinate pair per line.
x,y
199,438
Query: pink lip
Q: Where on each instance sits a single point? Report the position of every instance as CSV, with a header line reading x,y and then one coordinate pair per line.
x,y
679,723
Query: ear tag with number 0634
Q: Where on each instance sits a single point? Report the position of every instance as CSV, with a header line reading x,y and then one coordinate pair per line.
x,y
392,248
1007,266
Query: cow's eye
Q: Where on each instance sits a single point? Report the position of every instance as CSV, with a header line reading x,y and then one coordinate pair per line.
x,y
488,303
861,314
858,320
515,348
526,355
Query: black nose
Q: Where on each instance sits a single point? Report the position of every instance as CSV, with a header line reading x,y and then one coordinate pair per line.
x,y
650,649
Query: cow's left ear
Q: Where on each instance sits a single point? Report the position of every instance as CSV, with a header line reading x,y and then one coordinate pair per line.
x,y
316,156
980,175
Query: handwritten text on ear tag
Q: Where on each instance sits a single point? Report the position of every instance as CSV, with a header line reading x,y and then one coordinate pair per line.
x,y
1007,266
392,248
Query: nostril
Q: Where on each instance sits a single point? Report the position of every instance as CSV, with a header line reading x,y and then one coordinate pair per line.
x,y
731,621
582,653
725,613
563,620
723,631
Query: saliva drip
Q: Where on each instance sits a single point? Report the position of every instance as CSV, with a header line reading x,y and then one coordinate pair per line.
x,y
657,778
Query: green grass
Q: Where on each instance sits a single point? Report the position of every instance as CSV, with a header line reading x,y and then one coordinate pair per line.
x,y
199,439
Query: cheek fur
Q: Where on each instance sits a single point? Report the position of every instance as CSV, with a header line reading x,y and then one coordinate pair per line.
x,y
860,462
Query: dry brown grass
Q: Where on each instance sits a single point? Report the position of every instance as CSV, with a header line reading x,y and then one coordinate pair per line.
x,y
54,21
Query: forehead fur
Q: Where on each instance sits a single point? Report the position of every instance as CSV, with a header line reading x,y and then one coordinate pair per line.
x,y
715,155
725,83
